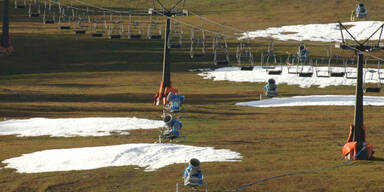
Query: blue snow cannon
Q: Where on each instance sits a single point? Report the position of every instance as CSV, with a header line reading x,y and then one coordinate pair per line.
x,y
270,89
192,174
174,127
175,102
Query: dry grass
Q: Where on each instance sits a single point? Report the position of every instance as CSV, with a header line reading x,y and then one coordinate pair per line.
x,y
58,75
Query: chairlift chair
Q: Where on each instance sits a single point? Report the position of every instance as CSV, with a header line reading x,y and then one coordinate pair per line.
x,y
154,29
34,9
340,63
350,71
22,4
372,72
277,70
134,30
220,51
99,27
267,56
49,14
175,35
197,48
321,69
244,57
304,63
292,64
81,25
359,13
64,18
116,28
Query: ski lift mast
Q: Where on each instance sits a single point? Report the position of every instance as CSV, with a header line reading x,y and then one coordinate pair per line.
x,y
359,48
166,86
5,46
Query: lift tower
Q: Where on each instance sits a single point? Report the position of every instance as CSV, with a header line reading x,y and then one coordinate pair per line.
x,y
360,48
166,85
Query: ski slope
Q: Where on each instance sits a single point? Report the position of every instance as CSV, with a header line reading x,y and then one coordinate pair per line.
x,y
75,127
329,32
314,100
149,156
260,75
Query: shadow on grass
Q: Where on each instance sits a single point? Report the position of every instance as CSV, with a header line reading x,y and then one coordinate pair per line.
x,y
378,159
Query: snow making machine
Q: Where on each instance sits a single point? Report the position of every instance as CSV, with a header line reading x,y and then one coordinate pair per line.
x,y
193,176
173,125
359,13
270,89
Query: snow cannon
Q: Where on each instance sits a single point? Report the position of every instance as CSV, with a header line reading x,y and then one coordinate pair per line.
x,y
175,102
174,127
192,174
270,89
350,149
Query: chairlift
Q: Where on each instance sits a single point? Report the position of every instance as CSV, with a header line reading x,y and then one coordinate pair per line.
x,y
350,70
99,26
49,13
300,63
267,56
197,42
323,67
371,73
175,39
82,23
336,67
64,18
22,4
34,9
338,64
220,51
359,13
116,27
154,29
277,70
304,63
244,56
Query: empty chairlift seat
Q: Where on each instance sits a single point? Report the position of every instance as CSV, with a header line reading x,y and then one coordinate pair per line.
x,y
244,57
220,50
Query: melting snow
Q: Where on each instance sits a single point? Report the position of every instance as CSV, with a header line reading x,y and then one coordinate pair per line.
x,y
329,32
258,74
314,100
150,156
72,127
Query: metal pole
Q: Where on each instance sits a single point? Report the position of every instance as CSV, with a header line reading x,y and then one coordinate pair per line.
x,y
167,57
5,36
358,134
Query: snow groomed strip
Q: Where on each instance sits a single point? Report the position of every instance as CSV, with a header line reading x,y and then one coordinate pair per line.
x,y
260,75
314,100
329,32
74,127
150,156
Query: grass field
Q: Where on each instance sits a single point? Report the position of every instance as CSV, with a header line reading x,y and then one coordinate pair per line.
x,y
56,74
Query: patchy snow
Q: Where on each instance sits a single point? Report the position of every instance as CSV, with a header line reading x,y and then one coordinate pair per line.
x,y
258,74
150,156
314,100
329,32
72,127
